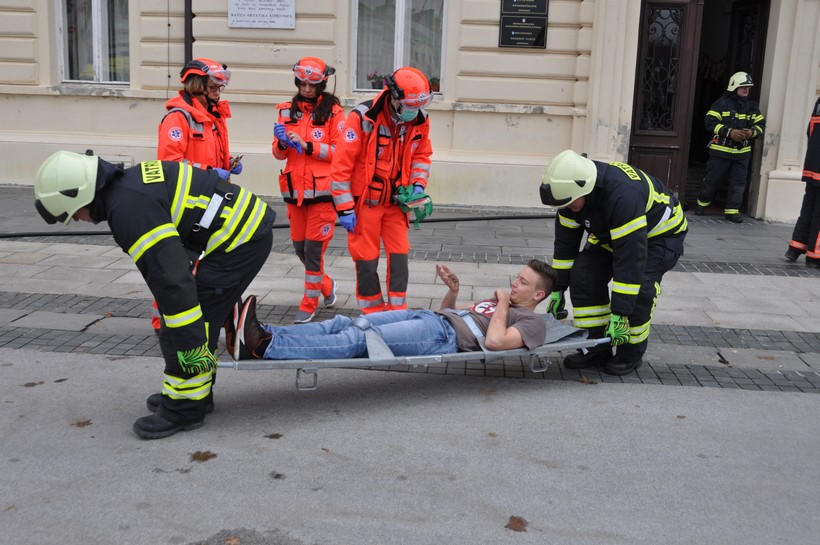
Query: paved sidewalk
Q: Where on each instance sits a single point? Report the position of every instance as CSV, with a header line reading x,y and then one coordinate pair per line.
x,y
714,440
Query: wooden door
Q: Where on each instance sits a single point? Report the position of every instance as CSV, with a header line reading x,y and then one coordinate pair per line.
x,y
664,86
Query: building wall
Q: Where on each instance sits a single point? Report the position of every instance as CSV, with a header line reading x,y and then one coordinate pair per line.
x,y
501,116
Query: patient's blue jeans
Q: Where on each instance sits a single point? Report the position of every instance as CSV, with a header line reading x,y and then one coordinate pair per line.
x,y
406,332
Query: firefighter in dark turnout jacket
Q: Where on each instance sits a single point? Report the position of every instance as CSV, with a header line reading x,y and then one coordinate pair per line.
x,y
806,234
734,120
198,241
636,229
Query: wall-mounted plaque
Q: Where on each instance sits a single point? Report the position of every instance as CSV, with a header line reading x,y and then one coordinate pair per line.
x,y
523,23
262,13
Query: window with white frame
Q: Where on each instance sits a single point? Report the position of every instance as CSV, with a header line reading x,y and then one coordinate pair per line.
x,y
94,40
395,33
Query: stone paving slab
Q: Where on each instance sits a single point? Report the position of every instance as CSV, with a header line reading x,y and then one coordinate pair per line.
x,y
56,320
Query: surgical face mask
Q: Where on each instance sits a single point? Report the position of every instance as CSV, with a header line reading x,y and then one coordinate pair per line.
x,y
408,115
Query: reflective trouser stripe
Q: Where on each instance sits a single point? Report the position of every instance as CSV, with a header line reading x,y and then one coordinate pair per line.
x,y
591,317
195,388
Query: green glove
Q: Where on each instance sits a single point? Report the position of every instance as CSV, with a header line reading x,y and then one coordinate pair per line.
x,y
197,360
555,303
618,330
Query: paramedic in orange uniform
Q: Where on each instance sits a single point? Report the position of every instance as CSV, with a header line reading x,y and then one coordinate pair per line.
x,y
385,147
305,135
194,129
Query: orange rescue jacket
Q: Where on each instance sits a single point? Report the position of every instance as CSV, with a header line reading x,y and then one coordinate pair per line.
x,y
189,133
368,134
306,176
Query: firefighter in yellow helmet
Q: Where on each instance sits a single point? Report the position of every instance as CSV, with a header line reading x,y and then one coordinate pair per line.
x,y
197,261
733,121
635,229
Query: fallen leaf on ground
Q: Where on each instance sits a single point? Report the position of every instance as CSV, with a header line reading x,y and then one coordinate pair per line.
x,y
32,384
81,423
492,434
202,456
585,380
516,524
233,540
274,436
723,360
325,449
681,417
766,357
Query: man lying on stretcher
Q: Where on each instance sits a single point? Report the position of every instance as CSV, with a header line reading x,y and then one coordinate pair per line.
x,y
506,321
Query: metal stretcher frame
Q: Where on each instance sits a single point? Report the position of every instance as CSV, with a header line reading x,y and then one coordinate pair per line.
x,y
380,355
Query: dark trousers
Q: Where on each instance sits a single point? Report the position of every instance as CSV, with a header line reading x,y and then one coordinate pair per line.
x,y
221,280
589,287
806,235
718,170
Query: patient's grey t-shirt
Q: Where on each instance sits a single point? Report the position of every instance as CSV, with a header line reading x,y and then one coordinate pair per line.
x,y
532,328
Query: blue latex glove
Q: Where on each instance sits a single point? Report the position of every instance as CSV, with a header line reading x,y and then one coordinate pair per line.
x,y
282,135
237,168
224,174
348,221
417,188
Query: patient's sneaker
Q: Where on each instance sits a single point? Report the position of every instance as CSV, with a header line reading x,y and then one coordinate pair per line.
x,y
596,356
251,333
236,349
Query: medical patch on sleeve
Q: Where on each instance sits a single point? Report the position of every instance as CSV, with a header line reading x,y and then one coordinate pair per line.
x,y
175,134
152,172
317,135
350,135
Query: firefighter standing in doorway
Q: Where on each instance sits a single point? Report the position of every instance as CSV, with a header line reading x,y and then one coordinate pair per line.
x,y
198,241
734,120
381,168
636,229
306,132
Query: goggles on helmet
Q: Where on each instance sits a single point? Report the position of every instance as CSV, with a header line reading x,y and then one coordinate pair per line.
x,y
218,73
312,70
410,88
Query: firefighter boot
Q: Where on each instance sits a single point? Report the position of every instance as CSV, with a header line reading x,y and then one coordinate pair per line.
x,y
616,366
595,357
792,254
153,401
154,426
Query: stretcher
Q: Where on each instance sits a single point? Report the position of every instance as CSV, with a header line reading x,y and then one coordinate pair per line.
x,y
560,337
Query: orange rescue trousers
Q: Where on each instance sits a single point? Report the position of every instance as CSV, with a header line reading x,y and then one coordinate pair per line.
x,y
311,228
375,225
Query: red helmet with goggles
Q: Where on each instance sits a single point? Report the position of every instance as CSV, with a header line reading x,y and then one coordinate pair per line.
x,y
410,87
218,73
312,70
